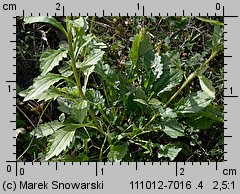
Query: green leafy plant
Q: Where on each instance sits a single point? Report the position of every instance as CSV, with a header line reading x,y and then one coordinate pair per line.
x,y
141,113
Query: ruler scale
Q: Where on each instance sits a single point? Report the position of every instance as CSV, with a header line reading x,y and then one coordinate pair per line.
x,y
106,177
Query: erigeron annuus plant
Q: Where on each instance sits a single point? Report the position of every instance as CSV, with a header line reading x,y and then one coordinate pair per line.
x,y
131,105
70,93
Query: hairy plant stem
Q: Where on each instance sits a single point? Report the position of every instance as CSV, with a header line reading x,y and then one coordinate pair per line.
x,y
77,78
197,72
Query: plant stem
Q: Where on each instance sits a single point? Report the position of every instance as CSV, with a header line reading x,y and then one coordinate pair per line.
x,y
77,78
152,119
197,72
92,23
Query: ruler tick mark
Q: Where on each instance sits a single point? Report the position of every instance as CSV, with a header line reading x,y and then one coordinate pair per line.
x,y
231,16
176,169
96,168
230,96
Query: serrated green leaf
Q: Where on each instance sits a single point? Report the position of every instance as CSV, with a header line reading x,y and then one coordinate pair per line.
x,y
193,103
45,19
215,22
60,140
91,60
40,85
51,58
117,152
207,86
51,93
172,128
88,66
76,108
79,45
168,80
169,151
46,129
217,37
